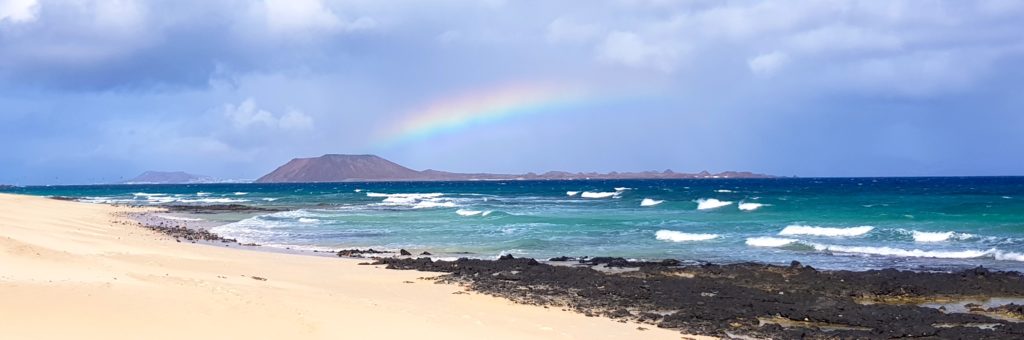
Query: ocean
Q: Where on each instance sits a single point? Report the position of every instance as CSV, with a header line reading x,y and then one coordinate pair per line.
x,y
831,223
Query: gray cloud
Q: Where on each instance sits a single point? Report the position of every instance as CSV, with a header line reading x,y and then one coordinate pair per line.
x,y
233,88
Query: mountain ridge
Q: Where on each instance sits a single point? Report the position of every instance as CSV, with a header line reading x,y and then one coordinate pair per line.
x,y
366,167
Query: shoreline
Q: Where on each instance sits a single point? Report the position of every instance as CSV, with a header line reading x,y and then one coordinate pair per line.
x,y
657,298
74,270
910,297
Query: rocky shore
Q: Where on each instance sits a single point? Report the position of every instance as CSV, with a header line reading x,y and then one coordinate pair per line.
x,y
735,301
748,300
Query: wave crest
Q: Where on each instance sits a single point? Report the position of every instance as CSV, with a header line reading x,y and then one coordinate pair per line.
x,y
748,206
825,231
647,202
711,203
940,236
676,236
772,242
591,194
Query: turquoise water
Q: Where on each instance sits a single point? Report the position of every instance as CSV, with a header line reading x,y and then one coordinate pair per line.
x,y
850,223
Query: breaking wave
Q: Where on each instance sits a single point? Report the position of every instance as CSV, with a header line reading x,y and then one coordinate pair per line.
x,y
647,202
572,193
433,204
466,212
676,236
941,236
213,200
747,206
772,242
590,194
942,254
711,203
825,231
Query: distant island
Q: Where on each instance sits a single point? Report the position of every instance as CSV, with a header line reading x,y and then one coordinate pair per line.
x,y
169,177
351,168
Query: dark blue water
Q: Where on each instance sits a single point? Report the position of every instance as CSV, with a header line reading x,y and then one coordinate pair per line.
x,y
852,223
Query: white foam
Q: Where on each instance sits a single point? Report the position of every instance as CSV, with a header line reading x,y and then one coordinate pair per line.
x,y
749,206
921,236
270,199
1008,256
825,231
647,202
241,193
723,190
300,213
214,200
711,203
161,199
772,242
358,190
433,204
572,193
143,194
308,220
620,189
889,251
676,236
202,194
400,199
178,218
464,212
589,194
415,196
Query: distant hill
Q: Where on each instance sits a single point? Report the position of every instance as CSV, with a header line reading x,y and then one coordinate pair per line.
x,y
349,168
169,177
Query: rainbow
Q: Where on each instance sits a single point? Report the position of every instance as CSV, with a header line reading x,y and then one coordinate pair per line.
x,y
486,106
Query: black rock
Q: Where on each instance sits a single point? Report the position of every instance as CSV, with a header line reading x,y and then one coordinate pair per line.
x,y
425,253
404,252
714,299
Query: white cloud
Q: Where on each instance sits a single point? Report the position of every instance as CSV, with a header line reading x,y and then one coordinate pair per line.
x,y
19,11
296,120
630,49
246,115
767,64
306,16
844,37
566,30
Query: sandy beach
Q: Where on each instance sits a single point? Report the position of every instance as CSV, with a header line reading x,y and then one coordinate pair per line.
x,y
78,271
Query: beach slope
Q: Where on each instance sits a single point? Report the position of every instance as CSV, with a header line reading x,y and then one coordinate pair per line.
x,y
75,270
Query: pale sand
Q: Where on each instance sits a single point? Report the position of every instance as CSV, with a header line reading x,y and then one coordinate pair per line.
x,y
68,271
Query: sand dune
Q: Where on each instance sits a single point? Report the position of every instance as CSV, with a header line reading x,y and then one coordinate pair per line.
x,y
71,270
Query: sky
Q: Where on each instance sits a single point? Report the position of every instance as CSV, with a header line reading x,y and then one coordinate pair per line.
x,y
99,91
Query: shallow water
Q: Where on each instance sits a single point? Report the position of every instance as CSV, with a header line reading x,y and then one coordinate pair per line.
x,y
840,223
